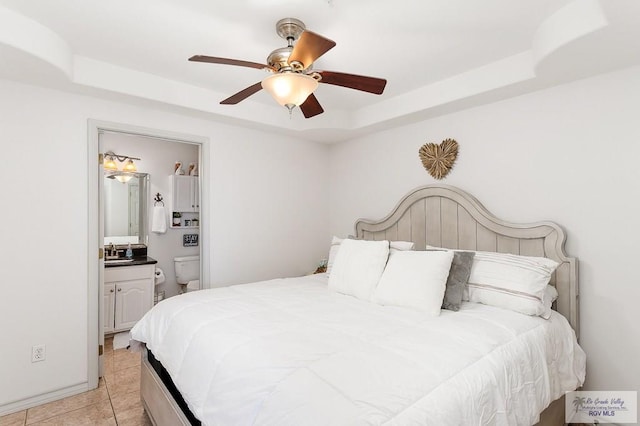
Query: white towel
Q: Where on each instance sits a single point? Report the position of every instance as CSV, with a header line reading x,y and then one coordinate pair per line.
x,y
121,340
159,221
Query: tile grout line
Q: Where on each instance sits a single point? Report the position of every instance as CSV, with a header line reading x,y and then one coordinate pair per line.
x,y
106,384
115,419
71,411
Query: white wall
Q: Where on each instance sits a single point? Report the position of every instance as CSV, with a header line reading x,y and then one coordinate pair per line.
x,y
157,158
568,154
269,217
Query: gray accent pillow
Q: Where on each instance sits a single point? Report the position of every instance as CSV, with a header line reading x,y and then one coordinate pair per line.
x,y
458,278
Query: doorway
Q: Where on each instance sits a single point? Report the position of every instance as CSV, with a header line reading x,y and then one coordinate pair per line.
x,y
97,133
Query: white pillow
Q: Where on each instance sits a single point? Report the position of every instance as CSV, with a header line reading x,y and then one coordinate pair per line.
x,y
358,267
396,246
415,279
550,295
333,252
335,246
510,281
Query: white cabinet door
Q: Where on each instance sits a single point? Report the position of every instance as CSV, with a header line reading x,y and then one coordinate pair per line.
x,y
133,299
185,193
195,190
109,305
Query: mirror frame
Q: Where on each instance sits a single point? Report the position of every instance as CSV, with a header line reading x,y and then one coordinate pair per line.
x,y
143,188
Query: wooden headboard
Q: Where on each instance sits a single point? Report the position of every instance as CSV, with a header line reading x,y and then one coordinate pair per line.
x,y
446,216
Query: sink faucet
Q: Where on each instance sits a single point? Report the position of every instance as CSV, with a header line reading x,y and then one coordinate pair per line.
x,y
112,252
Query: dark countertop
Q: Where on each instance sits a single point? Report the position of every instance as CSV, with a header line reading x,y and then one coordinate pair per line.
x,y
146,260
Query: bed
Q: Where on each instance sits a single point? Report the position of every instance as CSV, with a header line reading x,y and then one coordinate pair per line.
x,y
289,351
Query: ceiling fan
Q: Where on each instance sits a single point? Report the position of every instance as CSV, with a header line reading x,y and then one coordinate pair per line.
x,y
292,80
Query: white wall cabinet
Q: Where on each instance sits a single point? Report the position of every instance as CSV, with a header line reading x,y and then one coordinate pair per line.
x,y
185,193
128,295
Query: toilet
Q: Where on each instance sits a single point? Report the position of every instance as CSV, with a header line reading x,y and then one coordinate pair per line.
x,y
187,272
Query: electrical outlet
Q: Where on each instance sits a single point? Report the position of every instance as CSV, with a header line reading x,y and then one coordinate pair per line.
x,y
38,353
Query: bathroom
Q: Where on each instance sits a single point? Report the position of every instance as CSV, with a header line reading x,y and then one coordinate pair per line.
x,y
157,158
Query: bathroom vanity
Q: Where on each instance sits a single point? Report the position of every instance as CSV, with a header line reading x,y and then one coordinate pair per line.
x,y
129,283
128,292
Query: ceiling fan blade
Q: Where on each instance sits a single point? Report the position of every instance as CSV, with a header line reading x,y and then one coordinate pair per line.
x,y
311,107
227,61
352,81
309,47
243,94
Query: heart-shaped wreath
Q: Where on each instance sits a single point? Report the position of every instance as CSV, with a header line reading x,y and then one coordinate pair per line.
x,y
439,159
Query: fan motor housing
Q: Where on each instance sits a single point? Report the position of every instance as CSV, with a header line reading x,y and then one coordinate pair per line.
x,y
290,28
279,58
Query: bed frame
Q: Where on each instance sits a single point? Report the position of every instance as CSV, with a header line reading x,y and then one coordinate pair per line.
x,y
446,216
443,216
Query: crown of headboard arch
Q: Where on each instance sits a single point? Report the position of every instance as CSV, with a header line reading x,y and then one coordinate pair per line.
x,y
446,216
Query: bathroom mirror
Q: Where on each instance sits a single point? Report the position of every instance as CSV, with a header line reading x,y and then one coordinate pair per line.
x,y
125,208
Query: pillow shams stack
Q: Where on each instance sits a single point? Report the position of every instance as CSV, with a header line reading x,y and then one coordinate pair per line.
x,y
392,274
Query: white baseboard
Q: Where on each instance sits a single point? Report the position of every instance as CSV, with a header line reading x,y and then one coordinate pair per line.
x,y
33,401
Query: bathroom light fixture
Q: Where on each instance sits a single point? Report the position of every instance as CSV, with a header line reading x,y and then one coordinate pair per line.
x,y
111,168
129,166
290,89
110,164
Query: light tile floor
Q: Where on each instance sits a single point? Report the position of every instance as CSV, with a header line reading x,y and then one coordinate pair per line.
x,y
116,401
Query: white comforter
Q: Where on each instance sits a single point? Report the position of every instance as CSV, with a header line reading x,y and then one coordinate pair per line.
x,y
289,352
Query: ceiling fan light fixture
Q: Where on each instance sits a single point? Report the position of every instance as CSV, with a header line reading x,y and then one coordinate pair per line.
x,y
289,89
293,83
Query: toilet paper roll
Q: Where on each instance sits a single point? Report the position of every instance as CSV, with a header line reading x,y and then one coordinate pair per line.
x,y
160,278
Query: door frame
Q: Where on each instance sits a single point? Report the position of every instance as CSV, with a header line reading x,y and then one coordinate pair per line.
x,y
95,278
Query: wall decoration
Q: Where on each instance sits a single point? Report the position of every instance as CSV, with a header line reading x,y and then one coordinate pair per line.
x,y
439,159
176,219
190,240
177,168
